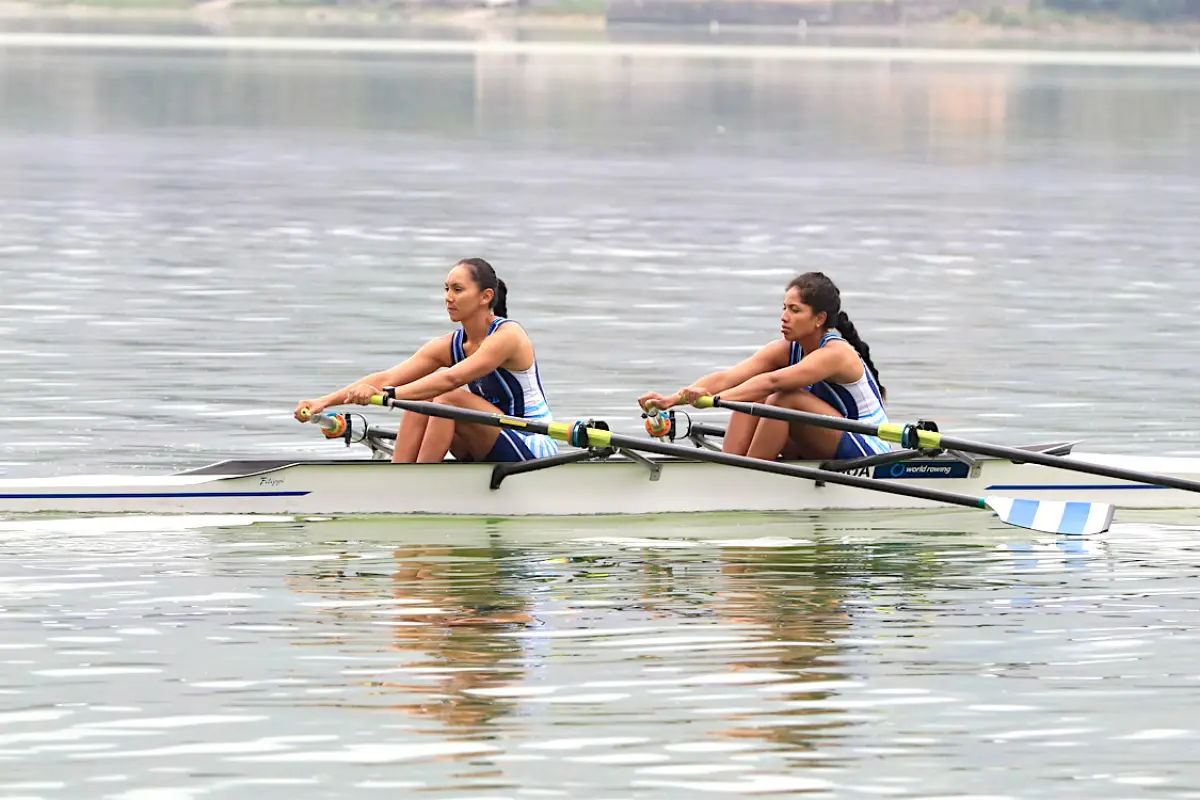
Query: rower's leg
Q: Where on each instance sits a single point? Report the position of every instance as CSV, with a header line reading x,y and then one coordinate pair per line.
x,y
459,449
472,440
770,437
739,433
439,437
802,441
409,437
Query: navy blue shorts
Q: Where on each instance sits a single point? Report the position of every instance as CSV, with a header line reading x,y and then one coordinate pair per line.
x,y
518,446
856,445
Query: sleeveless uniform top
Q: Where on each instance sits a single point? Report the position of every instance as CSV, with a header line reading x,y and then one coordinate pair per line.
x,y
860,400
516,393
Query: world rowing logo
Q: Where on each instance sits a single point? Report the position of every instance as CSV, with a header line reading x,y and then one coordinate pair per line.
x,y
952,469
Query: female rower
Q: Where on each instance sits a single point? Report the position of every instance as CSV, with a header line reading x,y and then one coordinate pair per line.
x,y
489,366
820,366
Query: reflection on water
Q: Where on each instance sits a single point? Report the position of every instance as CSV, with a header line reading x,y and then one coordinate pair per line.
x,y
481,657
444,606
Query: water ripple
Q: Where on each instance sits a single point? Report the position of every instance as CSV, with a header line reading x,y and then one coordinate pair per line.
x,y
699,665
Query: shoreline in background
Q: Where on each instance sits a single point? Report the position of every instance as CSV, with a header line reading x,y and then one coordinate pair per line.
x,y
582,16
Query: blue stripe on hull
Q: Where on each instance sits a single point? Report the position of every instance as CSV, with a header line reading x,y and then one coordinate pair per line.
x,y
141,495
1069,487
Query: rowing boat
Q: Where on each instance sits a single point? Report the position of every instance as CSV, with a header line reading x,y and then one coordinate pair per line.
x,y
589,481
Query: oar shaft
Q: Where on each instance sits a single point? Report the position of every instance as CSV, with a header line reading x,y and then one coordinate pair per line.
x,y
765,411
892,432
562,431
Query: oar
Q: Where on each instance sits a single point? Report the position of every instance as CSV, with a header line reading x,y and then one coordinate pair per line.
x,y
911,436
1049,516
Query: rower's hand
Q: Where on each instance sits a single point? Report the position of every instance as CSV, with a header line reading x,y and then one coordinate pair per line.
x,y
655,400
362,394
306,409
691,394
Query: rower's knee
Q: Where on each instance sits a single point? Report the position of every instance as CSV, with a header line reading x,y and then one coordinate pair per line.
x,y
451,398
803,400
792,398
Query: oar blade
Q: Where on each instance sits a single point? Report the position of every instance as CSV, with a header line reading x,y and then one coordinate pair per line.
x,y
1069,518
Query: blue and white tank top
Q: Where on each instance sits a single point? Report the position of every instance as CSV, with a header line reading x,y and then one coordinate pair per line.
x,y
860,400
515,393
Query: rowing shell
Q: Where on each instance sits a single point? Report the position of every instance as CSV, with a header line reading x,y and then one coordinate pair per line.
x,y
617,484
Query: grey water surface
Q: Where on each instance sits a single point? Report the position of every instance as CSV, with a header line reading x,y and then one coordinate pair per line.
x,y
192,241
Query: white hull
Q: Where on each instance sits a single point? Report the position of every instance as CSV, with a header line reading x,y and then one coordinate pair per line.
x,y
615,486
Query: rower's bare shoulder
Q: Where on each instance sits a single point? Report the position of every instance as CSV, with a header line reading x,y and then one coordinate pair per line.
x,y
777,351
516,344
438,349
840,346
438,341
849,364
511,330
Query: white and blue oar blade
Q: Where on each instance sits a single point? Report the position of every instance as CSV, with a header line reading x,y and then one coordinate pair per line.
x,y
1068,518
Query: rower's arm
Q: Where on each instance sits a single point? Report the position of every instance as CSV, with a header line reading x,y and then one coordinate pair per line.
x,y
495,351
433,355
768,359
817,366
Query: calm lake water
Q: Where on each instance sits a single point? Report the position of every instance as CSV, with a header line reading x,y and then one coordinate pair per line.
x,y
190,241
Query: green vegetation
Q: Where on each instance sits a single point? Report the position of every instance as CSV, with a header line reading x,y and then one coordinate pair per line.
x,y
1140,10
587,8
1005,17
1066,14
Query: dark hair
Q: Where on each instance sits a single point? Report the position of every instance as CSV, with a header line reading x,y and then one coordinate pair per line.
x,y
819,293
485,278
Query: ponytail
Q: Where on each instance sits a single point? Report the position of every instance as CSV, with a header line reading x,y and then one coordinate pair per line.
x,y
500,301
846,328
